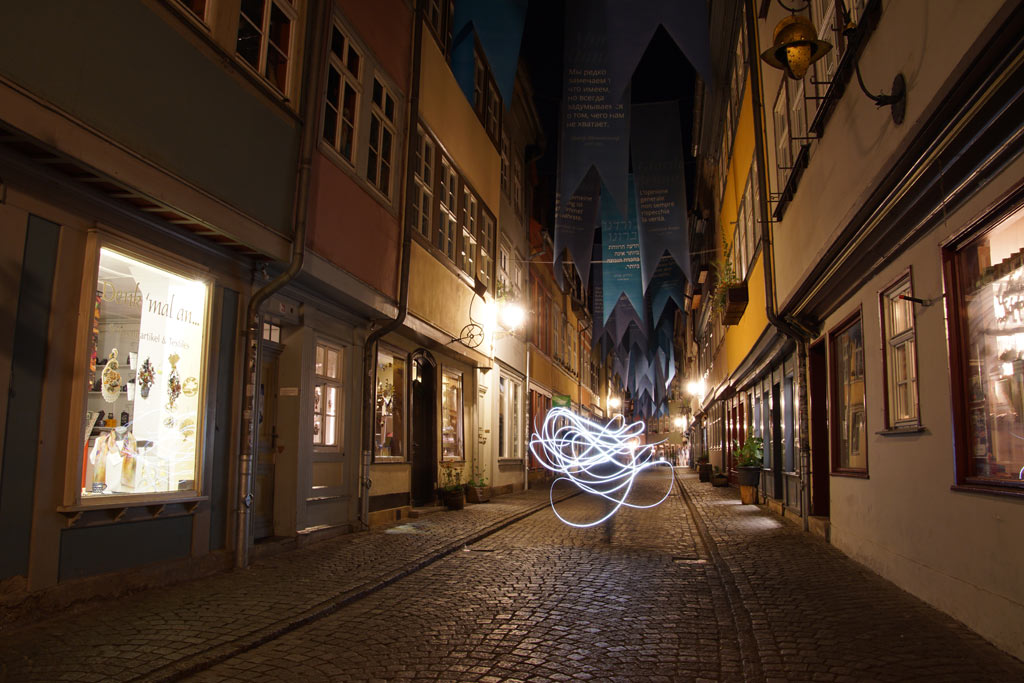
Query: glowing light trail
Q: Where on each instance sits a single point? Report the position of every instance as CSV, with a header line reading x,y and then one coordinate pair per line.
x,y
604,460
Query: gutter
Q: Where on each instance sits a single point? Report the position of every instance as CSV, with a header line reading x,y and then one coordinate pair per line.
x,y
312,80
801,336
370,345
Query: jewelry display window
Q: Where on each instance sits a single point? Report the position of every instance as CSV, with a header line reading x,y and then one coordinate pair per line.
x,y
144,380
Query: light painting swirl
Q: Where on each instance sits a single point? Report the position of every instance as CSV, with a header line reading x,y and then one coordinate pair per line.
x,y
604,460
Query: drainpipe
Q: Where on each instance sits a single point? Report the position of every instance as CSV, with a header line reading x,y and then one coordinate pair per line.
x,y
370,345
801,337
312,79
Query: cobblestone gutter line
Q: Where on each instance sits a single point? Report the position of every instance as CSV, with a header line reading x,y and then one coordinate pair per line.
x,y
741,621
194,664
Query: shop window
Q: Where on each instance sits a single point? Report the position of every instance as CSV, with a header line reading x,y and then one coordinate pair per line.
x,y
900,360
146,380
985,278
451,416
264,39
389,408
382,135
343,88
423,175
326,396
849,425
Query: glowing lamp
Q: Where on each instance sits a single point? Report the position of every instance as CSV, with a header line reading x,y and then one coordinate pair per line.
x,y
795,46
512,316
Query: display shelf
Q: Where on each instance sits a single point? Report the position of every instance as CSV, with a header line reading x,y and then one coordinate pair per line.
x,y
125,510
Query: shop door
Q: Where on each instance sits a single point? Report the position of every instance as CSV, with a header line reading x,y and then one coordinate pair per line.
x,y
819,430
777,441
267,449
424,434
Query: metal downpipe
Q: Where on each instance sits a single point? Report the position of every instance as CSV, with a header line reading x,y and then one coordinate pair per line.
x,y
312,79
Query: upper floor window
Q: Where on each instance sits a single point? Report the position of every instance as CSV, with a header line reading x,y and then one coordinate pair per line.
x,y
445,239
783,150
196,7
485,248
467,247
506,147
486,100
439,18
423,175
343,87
517,185
382,135
264,38
900,355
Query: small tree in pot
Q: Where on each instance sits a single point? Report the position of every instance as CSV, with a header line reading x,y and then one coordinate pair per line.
x,y
749,457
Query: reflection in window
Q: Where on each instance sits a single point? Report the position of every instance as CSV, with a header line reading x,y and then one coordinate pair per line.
x,y
849,425
326,393
991,285
389,407
451,415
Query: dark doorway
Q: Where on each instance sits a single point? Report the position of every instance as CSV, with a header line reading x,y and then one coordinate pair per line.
x,y
424,439
777,441
268,450
819,429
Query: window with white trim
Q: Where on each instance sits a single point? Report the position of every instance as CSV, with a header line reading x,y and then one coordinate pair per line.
x,y
341,108
423,177
517,185
451,415
468,223
510,418
265,38
783,153
900,356
382,135
326,395
506,147
503,278
446,231
485,250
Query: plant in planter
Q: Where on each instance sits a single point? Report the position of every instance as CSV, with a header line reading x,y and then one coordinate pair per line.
x,y
730,294
719,478
477,490
453,491
749,457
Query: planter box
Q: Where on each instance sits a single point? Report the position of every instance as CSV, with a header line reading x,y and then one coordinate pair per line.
x,y
719,480
704,471
749,476
736,299
455,500
478,494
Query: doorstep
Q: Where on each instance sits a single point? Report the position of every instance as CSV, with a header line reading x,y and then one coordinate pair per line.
x,y
820,526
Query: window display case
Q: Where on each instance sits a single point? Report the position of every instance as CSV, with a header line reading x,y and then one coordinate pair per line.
x,y
451,415
145,380
389,408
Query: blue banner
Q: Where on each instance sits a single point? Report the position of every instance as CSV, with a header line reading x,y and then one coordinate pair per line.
x,y
657,146
595,122
499,27
666,285
635,22
620,252
575,225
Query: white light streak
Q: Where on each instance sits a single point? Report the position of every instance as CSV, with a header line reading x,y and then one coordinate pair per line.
x,y
604,460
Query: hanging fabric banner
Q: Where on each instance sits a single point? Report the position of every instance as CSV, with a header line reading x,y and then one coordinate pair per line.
x,y
620,252
660,186
575,225
595,122
498,25
635,22
666,285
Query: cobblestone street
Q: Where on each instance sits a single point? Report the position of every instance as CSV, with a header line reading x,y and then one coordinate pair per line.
x,y
699,587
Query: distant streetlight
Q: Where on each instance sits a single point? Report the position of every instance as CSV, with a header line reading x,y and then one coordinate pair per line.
x,y
512,316
680,422
614,403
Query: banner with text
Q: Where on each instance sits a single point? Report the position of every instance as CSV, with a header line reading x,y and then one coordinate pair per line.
x,y
620,252
575,225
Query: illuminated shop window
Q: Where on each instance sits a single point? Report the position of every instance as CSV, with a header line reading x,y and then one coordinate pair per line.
x,y
451,416
987,345
389,407
145,380
326,395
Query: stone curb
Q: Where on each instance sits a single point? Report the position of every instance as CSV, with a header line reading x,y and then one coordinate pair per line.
x,y
204,660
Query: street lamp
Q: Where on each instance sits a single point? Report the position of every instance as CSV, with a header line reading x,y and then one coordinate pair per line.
x,y
512,316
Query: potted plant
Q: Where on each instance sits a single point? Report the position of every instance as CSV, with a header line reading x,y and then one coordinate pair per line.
x,y
748,459
719,478
730,294
703,469
453,491
477,490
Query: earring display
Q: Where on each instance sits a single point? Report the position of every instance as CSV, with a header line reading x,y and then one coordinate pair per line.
x,y
173,382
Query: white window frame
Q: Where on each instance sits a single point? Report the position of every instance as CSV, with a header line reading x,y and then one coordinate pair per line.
x,y
448,227
377,158
457,452
485,248
263,30
783,146
325,381
510,407
423,177
893,342
468,223
346,78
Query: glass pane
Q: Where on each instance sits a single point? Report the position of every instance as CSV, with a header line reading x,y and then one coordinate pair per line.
x,y
253,11
337,43
993,297
330,124
332,401
389,406
249,39
319,360
318,430
332,363
333,86
451,416
848,347
142,430
352,64
330,431
318,399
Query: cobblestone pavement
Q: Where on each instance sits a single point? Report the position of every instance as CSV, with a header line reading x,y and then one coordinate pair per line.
x,y
698,588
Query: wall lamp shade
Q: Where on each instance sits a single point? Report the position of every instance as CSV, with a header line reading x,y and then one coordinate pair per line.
x,y
795,46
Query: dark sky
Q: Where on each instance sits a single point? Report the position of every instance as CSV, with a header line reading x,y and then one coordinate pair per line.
x,y
663,74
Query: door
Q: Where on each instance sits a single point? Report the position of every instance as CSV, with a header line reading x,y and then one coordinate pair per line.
x,y
819,429
267,448
424,430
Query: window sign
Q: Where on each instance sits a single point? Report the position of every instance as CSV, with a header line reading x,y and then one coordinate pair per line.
x,y
451,415
145,380
389,407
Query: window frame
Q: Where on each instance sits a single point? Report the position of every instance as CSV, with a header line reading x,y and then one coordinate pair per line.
x,y
959,345
346,77
855,318
450,372
903,284
292,13
424,186
386,124
328,381
397,355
